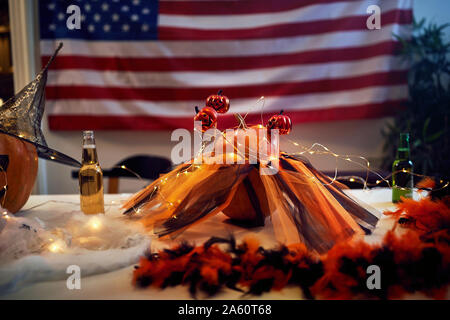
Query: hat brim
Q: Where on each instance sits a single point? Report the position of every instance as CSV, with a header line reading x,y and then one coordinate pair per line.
x,y
47,153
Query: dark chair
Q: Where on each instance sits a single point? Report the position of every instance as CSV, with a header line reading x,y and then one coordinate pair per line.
x,y
147,167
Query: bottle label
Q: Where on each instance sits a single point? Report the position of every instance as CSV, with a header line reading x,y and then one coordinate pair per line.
x,y
397,193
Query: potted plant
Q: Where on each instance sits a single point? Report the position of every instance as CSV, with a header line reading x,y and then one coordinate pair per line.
x,y
426,114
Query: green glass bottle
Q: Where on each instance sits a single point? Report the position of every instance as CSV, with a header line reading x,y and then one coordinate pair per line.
x,y
402,169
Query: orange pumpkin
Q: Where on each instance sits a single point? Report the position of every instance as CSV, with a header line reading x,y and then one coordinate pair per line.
x,y
249,203
207,116
218,102
280,122
21,162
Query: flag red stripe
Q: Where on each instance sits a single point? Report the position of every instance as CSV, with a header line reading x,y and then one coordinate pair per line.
x,y
220,63
233,92
146,122
235,7
284,30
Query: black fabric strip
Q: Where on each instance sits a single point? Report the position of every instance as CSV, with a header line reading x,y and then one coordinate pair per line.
x,y
259,220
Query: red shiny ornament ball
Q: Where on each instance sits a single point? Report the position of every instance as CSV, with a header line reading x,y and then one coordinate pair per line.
x,y
218,102
207,116
281,122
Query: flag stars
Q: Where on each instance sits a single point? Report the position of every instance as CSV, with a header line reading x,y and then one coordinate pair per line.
x,y
145,27
52,27
125,28
105,7
87,7
61,16
115,17
97,17
125,8
106,28
136,2
146,11
83,17
134,17
91,28
51,6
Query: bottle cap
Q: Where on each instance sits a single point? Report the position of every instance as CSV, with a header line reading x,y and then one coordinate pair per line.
x,y
88,133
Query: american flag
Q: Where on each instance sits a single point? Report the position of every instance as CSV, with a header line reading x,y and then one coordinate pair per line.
x,y
144,65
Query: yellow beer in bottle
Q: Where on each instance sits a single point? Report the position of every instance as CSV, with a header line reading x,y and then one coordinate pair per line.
x,y
90,177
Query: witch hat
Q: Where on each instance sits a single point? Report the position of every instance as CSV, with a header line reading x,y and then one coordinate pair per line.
x,y
21,117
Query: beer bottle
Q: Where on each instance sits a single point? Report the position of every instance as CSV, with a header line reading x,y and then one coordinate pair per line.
x,y
90,177
402,169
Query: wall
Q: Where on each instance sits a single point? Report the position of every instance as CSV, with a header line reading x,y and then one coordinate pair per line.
x,y
437,11
360,137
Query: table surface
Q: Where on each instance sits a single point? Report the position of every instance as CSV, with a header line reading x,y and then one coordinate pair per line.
x,y
117,284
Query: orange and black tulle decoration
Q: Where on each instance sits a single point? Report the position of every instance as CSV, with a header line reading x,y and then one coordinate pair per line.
x,y
304,205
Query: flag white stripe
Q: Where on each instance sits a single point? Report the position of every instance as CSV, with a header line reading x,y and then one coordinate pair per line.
x,y
183,79
185,108
306,14
232,48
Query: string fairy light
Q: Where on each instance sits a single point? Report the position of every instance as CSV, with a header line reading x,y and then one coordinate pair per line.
x,y
261,99
56,246
366,166
94,224
5,215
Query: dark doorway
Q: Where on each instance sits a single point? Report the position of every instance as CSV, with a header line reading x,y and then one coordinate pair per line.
x,y
6,69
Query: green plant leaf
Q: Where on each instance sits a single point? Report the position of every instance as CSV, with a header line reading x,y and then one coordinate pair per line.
x,y
435,136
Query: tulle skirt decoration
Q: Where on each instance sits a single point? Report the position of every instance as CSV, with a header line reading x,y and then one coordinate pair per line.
x,y
304,205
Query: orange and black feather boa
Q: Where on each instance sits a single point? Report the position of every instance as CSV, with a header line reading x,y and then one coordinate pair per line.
x,y
418,260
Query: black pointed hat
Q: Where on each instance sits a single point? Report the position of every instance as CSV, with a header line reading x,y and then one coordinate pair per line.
x,y
21,116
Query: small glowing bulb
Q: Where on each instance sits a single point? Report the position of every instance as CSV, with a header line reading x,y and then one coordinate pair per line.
x,y
123,167
94,223
378,181
56,246
352,180
52,157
